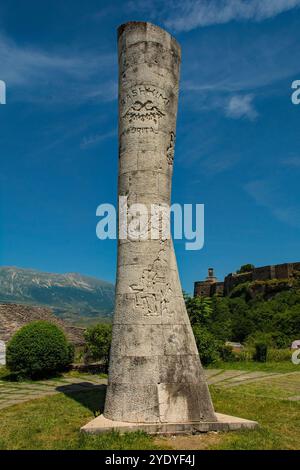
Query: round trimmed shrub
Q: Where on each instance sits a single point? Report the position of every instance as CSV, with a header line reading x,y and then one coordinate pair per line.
x,y
39,349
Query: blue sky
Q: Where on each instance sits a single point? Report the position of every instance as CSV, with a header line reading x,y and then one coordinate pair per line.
x,y
238,140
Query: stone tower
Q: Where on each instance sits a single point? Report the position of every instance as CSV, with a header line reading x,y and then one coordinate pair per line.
x,y
155,373
156,381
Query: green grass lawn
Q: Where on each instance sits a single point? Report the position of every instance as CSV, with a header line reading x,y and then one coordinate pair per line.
x,y
53,422
279,419
283,366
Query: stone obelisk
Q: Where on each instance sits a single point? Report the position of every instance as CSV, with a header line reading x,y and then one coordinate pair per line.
x,y
155,373
156,381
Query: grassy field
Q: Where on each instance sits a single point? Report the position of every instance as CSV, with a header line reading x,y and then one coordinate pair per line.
x,y
284,366
279,419
53,422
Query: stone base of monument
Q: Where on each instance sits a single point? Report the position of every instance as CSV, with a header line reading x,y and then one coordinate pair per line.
x,y
223,423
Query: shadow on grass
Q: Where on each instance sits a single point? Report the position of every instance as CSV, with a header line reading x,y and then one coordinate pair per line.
x,y
8,376
87,394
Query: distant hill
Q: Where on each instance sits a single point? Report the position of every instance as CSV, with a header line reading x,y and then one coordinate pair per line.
x,y
73,297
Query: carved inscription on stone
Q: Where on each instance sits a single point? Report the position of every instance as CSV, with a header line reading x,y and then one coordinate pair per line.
x,y
145,91
153,293
171,149
146,111
143,107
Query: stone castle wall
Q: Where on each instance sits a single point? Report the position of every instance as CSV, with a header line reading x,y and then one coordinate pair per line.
x,y
263,273
208,289
202,289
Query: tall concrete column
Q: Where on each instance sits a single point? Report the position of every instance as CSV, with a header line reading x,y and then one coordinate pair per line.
x,y
155,373
156,382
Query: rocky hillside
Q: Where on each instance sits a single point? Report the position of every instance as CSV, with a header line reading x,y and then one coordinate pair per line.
x,y
72,296
13,317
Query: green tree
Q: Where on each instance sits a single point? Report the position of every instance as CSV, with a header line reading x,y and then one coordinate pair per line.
x,y
199,309
245,268
241,318
207,345
98,341
221,322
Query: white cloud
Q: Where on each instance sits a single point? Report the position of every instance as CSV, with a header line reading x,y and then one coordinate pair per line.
x,y
241,106
192,14
233,106
222,64
37,75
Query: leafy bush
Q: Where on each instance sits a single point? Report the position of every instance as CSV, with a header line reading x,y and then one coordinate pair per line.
x,y
261,351
279,355
207,345
98,341
241,290
245,355
199,309
274,339
221,323
253,313
227,354
39,349
272,318
245,268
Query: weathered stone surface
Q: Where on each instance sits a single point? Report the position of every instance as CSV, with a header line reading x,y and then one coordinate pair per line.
x,y
223,423
155,374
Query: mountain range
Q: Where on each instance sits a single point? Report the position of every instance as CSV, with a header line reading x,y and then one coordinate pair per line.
x,y
71,296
